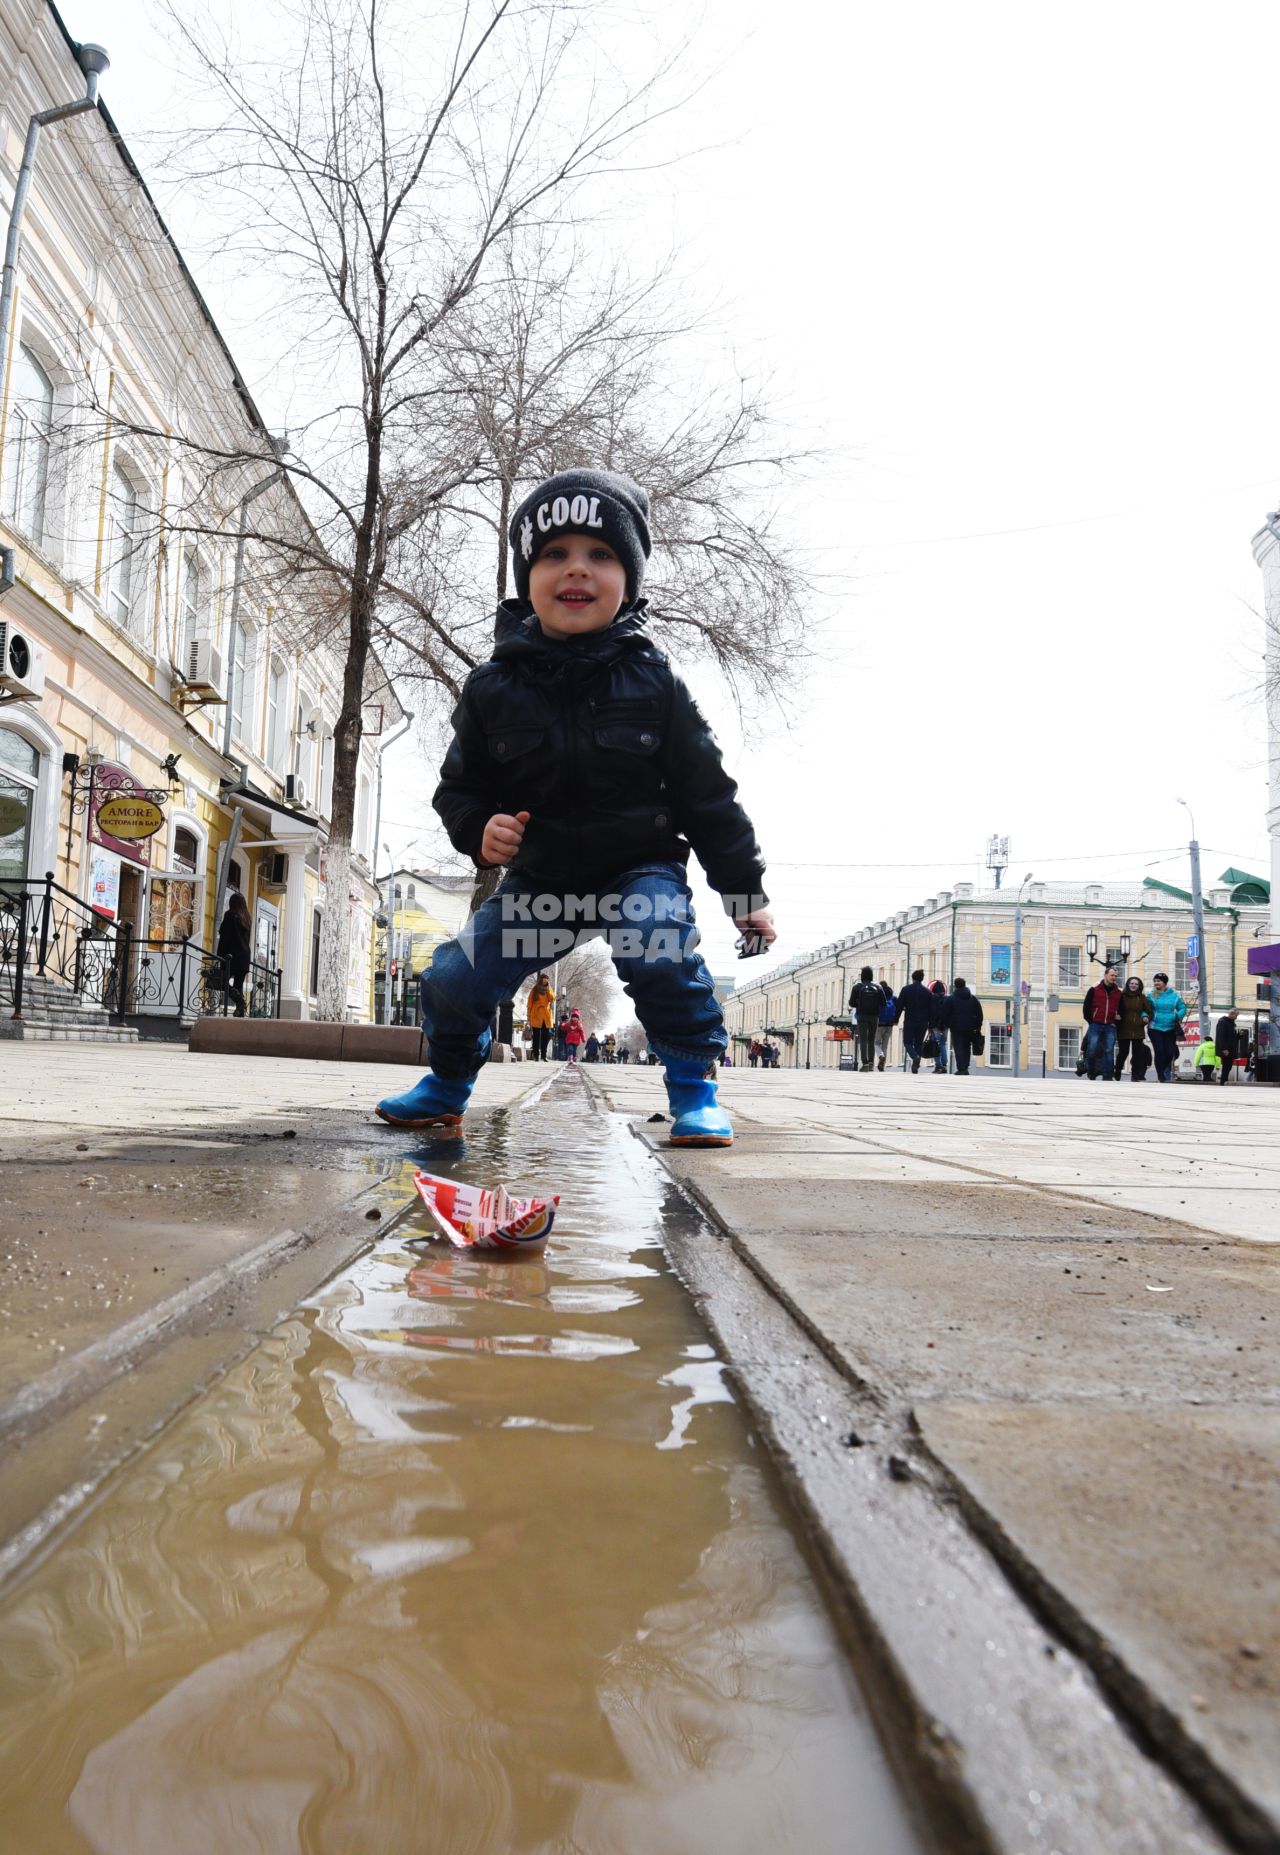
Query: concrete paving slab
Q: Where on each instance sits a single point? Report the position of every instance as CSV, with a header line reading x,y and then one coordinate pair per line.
x,y
1158,1533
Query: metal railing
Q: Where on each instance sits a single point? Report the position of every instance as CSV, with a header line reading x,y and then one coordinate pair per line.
x,y
47,932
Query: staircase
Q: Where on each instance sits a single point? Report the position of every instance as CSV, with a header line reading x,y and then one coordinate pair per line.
x,y
54,1013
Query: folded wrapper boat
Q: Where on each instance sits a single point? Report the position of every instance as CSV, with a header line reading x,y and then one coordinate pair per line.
x,y
474,1218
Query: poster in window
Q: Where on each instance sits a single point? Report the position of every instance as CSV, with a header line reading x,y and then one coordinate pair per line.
x,y
1001,964
104,883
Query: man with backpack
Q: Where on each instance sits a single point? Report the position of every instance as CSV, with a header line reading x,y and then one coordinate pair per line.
x,y
884,1029
866,1001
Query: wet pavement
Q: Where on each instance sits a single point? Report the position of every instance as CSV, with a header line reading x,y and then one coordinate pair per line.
x,y
469,1554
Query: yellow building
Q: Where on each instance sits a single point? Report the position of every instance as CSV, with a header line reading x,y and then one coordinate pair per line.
x,y
1069,931
421,908
170,737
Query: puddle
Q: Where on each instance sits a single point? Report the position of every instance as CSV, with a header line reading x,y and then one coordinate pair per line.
x,y
467,1557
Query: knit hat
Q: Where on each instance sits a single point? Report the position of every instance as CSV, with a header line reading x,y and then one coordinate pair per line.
x,y
584,502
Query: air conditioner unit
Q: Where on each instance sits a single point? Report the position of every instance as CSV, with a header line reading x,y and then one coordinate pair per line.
x,y
21,664
203,667
295,789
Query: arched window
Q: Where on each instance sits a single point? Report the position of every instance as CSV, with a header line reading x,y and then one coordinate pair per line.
x,y
409,895
123,565
186,851
19,765
25,489
277,714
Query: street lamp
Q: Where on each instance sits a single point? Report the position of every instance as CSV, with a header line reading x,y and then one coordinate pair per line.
x,y
1197,915
1125,945
1091,945
93,61
1017,977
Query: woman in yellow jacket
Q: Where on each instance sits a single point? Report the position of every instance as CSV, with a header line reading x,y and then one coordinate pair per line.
x,y
539,1013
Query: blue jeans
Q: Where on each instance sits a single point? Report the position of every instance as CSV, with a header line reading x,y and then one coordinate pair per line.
x,y
1100,1050
646,917
941,1062
1165,1045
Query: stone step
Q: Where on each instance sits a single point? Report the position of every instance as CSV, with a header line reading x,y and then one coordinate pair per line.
x,y
33,1030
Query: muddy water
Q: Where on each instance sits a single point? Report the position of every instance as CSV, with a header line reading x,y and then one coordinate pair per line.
x,y
467,1556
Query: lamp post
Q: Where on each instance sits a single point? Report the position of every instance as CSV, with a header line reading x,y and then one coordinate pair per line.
x,y
93,61
1197,915
1017,978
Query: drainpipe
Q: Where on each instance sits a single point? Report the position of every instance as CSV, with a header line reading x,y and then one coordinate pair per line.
x,y
93,61
383,745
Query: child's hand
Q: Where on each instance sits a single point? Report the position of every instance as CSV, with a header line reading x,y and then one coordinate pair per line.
x,y
501,838
759,921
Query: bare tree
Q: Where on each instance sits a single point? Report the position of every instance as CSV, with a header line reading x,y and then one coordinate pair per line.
x,y
567,360
368,191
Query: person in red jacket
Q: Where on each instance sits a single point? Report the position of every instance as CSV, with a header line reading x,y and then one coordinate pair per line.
x,y
1102,1015
574,1037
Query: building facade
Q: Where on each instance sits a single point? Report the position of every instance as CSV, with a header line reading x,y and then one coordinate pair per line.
x,y
1266,551
173,737
421,908
970,934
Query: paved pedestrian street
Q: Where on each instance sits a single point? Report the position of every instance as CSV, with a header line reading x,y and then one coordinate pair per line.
x,y
1010,1345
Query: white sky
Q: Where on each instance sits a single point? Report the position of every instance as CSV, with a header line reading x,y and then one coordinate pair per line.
x,y
1017,269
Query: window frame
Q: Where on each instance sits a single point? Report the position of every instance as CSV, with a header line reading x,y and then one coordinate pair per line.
x,y
1066,983
17,445
999,1036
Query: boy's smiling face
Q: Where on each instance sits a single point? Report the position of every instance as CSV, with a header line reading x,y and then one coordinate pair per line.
x,y
576,585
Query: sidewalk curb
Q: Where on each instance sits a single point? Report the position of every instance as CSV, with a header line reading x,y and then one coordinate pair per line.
x,y
1014,1734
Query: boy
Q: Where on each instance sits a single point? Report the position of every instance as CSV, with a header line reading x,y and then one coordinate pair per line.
x,y
581,762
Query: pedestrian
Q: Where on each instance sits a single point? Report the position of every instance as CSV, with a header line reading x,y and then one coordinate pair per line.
x,y
940,1025
753,1053
593,1048
1226,1040
884,1028
539,1014
582,764
609,1049
1206,1061
915,1011
966,1024
1102,1015
865,1001
1168,1009
234,949
574,1036
1131,1030
624,1055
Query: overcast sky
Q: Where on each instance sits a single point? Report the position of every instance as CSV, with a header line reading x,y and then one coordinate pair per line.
x,y
1017,270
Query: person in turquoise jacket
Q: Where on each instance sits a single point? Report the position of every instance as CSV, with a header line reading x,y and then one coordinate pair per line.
x,y
1169,1008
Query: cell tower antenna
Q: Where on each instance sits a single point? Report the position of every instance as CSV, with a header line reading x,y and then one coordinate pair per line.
x,y
997,857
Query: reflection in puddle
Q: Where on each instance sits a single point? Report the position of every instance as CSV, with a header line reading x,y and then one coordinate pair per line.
x,y
470,1556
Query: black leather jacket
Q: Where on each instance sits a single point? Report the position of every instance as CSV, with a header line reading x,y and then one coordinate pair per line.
x,y
600,741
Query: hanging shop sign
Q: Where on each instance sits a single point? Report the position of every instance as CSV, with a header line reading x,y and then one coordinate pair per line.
x,y
123,815
129,819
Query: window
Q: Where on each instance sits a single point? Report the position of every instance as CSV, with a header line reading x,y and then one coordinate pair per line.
x,y
1181,975
277,714
25,489
242,666
999,1046
19,768
235,876
307,742
409,895
1069,959
122,548
192,608
1068,1045
1001,963
186,850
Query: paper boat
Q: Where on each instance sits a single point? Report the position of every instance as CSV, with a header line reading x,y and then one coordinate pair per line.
x,y
474,1218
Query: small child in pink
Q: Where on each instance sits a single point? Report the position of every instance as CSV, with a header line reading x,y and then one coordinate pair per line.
x,y
574,1037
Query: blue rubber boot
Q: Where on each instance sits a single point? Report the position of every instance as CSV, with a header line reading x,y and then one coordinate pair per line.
x,y
433,1102
697,1118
